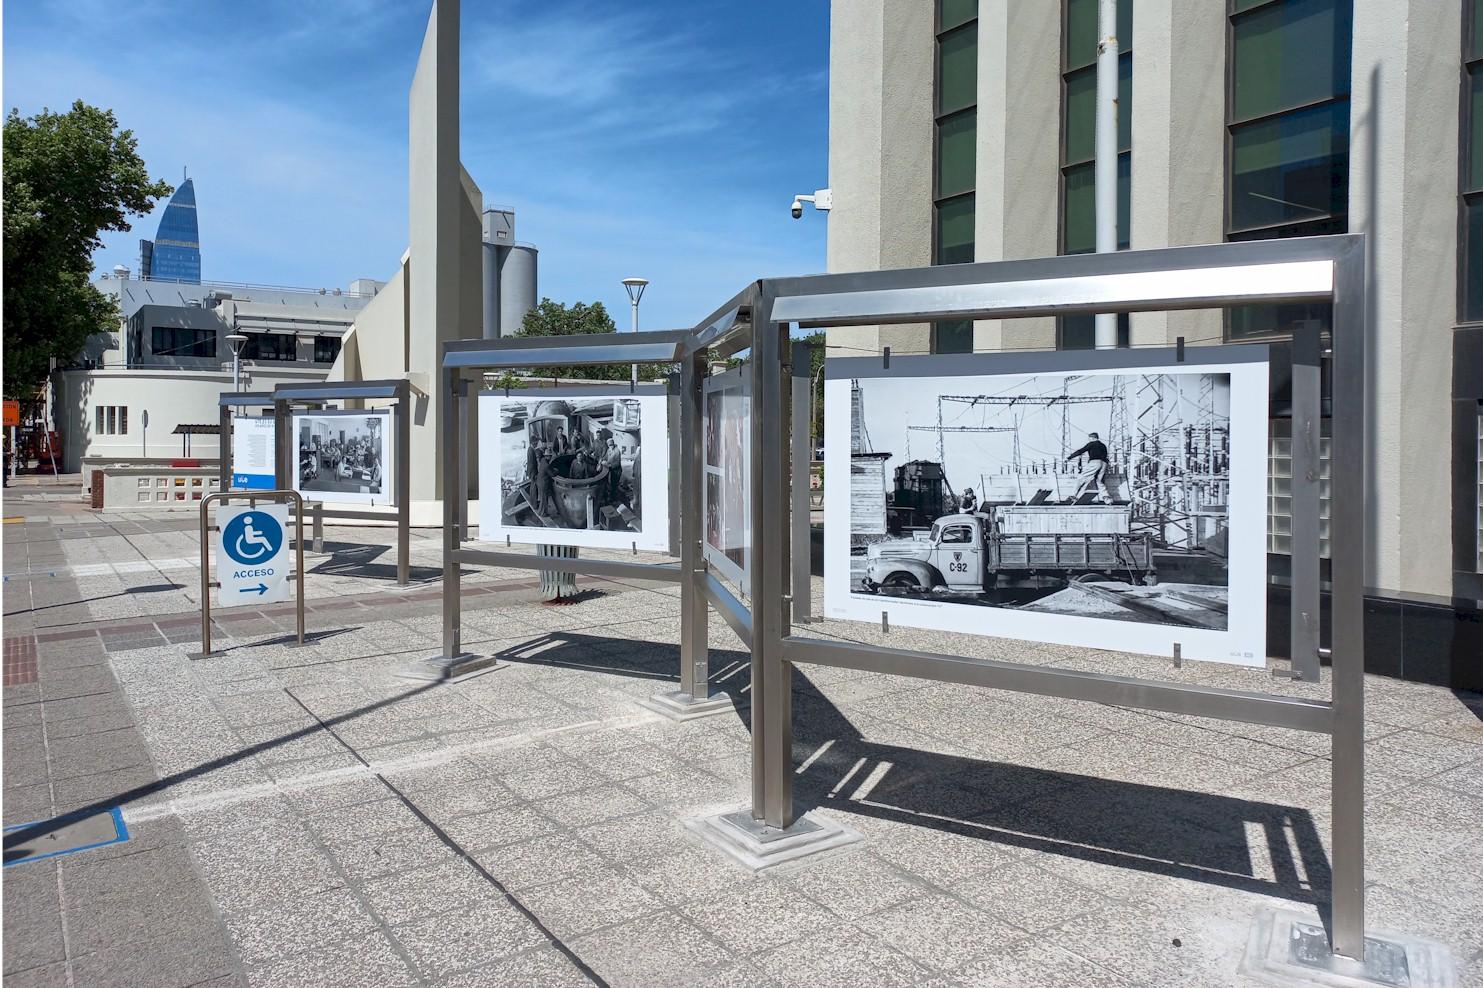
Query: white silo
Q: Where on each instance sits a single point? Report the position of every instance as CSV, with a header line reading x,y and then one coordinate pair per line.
x,y
509,275
517,286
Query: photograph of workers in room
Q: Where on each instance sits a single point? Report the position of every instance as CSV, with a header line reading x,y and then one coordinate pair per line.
x,y
343,456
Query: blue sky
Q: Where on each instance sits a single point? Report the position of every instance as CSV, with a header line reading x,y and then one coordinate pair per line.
x,y
663,139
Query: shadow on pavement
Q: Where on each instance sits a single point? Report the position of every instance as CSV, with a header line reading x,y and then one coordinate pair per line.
x,y
660,661
1172,832
25,835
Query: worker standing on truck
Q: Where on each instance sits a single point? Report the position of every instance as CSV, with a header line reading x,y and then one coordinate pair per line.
x,y
1095,470
969,503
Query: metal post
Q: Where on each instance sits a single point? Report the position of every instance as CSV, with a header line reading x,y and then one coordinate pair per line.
x,y
404,484
448,434
318,509
299,557
464,414
694,614
1105,167
205,582
1306,436
224,448
284,453
772,677
1347,560
802,545
633,372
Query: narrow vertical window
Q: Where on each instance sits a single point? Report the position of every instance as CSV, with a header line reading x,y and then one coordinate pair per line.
x,y
1287,136
112,420
98,420
1470,266
1078,233
954,153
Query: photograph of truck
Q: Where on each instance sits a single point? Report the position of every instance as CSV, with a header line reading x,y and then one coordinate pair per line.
x,y
1089,495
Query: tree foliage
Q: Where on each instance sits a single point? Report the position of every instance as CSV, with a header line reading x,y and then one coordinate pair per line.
x,y
68,177
552,318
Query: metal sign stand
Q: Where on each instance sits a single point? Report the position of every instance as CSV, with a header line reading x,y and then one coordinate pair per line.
x,y
1318,269
286,397
464,362
252,497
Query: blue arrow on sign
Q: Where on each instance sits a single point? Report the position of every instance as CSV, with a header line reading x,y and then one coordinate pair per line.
x,y
260,589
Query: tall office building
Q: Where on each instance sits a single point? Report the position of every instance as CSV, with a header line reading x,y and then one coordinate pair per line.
x,y
175,252
962,130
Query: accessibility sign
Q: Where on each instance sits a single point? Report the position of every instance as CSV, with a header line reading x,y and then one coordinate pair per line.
x,y
252,554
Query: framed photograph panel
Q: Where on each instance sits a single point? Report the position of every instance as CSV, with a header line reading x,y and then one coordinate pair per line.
x,y
727,500
1109,499
575,466
344,455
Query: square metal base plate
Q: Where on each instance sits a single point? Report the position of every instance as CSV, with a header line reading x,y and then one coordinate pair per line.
x,y
1291,949
442,667
758,847
682,706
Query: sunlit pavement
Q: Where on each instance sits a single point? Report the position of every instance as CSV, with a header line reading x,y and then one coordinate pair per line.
x,y
303,816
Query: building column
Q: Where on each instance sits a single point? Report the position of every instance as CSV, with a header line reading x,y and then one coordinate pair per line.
x,y
1178,124
1403,193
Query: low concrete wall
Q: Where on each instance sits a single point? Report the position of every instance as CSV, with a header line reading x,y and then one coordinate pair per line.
x,y
152,487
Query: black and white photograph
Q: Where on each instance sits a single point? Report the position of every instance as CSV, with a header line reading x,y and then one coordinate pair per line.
x,y
727,500
574,467
343,456
1048,500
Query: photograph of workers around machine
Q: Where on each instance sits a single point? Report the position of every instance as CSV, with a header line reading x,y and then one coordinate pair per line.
x,y
1098,495
572,463
343,456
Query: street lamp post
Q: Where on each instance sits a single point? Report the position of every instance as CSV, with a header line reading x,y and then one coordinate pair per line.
x,y
236,341
635,288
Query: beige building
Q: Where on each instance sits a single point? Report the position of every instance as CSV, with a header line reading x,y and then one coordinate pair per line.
x,y
962,130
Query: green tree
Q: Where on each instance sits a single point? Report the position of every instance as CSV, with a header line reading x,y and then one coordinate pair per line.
x,y
552,318
68,177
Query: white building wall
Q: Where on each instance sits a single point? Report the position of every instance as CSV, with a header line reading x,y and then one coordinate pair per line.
x,y
166,398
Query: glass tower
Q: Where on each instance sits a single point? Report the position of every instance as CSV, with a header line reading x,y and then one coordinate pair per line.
x,y
175,252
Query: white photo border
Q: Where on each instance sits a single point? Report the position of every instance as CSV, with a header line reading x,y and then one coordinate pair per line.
x,y
655,452
388,456
1244,642
735,381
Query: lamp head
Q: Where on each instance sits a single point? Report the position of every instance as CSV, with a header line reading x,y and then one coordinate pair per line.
x,y
635,288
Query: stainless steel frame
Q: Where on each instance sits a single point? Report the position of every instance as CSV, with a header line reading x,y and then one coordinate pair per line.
x,y
207,583
286,397
466,359
1309,269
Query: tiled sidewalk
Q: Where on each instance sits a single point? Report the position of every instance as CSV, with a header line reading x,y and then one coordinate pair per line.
x,y
305,817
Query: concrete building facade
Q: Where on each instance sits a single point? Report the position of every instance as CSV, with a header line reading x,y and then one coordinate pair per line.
x,y
960,130
169,359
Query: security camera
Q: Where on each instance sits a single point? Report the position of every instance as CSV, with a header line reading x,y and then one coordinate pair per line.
x,y
822,199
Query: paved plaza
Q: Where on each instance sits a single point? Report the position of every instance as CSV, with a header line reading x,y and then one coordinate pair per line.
x,y
305,816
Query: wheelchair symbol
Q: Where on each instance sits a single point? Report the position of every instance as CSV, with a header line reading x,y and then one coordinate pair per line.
x,y
252,537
